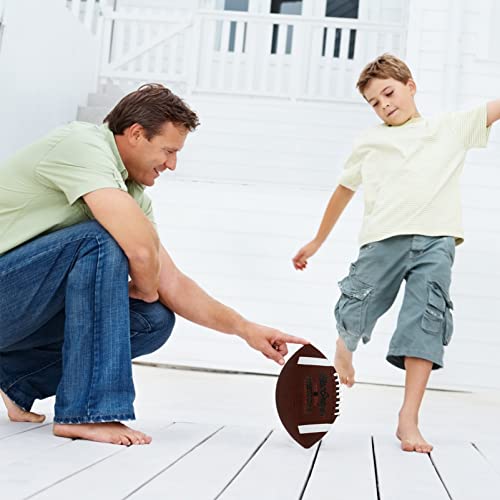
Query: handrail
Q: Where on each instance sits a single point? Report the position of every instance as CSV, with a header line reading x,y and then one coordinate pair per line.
x,y
334,22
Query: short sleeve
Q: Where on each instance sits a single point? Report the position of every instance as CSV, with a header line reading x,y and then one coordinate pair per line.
x,y
79,165
351,173
143,200
470,127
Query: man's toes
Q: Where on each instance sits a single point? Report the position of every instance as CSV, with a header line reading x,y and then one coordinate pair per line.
x,y
125,440
407,446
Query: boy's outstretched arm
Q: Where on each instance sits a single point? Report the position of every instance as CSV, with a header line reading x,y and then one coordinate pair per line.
x,y
493,108
338,201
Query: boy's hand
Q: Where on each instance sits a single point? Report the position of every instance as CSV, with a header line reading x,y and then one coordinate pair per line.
x,y
300,260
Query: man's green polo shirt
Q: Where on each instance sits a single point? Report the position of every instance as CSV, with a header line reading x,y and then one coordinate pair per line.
x,y
42,185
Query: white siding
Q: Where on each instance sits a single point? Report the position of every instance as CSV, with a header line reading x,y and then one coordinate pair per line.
x,y
250,189
41,80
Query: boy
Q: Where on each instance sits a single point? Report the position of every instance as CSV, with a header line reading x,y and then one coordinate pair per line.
x,y
409,167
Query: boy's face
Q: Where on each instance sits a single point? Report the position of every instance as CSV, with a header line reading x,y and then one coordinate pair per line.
x,y
392,100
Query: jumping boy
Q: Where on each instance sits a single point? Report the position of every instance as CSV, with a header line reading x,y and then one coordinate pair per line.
x,y
409,167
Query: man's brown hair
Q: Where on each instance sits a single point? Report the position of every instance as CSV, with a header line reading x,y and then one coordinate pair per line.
x,y
151,106
385,66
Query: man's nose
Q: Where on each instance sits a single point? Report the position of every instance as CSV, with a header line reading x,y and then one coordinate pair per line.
x,y
171,163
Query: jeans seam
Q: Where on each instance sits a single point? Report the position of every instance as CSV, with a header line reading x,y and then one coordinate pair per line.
x,y
94,367
32,373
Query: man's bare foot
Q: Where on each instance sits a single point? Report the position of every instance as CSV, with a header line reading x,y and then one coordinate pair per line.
x,y
105,432
343,363
410,437
17,414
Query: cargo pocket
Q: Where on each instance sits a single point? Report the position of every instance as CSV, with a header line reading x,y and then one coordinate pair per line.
x,y
437,318
350,311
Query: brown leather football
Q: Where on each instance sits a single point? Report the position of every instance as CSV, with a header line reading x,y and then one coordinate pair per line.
x,y
308,395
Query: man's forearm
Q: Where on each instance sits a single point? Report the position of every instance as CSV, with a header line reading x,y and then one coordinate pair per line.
x,y
189,300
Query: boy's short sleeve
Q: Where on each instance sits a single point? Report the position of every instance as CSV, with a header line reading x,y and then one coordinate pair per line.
x,y
78,166
351,173
470,127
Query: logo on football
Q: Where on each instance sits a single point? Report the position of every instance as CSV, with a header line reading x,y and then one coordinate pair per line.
x,y
308,396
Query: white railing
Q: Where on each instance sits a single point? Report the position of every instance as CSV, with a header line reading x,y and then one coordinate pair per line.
x,y
90,12
291,57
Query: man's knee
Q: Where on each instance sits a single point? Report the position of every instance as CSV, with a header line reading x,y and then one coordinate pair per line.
x,y
162,321
154,321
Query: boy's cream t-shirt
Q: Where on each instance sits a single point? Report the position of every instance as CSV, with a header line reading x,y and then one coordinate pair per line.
x,y
410,174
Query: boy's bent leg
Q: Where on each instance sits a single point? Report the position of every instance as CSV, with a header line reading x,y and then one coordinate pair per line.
x,y
343,363
417,376
366,293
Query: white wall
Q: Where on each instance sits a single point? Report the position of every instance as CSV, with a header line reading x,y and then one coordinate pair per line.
x,y
251,187
48,65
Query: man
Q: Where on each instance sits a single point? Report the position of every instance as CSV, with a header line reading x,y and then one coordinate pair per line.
x,y
75,223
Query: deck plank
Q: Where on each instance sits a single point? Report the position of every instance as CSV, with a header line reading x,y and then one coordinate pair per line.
x,y
26,477
32,442
398,470
464,471
206,471
122,473
277,472
332,477
8,428
491,451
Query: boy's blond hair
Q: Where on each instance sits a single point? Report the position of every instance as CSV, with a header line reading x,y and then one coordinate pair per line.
x,y
385,66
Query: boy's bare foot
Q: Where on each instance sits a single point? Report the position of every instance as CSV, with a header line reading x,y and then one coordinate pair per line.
x,y
17,414
343,363
410,437
105,432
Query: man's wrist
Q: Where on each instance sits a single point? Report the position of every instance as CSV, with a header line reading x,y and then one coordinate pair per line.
x,y
243,328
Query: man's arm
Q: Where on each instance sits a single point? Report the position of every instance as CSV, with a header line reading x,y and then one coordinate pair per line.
x,y
493,108
338,201
122,217
184,297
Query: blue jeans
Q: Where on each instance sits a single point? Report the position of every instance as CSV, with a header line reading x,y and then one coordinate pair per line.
x,y
69,328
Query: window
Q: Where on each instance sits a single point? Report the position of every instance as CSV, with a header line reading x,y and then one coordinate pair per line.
x,y
341,8
286,7
293,7
235,6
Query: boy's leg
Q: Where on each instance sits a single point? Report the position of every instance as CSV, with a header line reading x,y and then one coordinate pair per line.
x,y
367,293
424,328
417,376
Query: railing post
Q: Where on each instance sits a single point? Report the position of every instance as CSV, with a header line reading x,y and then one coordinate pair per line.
x,y
193,54
89,14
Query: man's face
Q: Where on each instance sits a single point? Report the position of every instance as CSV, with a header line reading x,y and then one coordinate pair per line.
x,y
148,158
392,100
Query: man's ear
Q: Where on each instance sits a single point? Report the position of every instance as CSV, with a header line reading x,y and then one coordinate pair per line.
x,y
413,86
134,133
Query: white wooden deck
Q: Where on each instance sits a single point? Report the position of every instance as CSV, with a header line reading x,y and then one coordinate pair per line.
x,y
217,436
